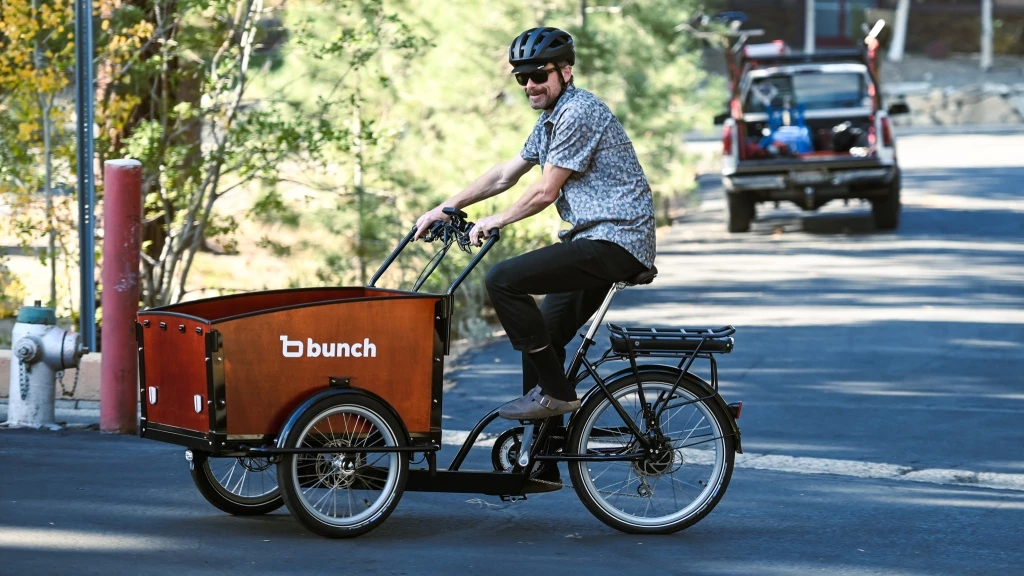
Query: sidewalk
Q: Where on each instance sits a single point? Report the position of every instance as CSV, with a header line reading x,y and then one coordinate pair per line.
x,y
73,414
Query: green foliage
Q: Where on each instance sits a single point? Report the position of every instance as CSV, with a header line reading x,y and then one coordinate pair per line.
x,y
356,51
36,59
371,111
440,107
12,292
198,130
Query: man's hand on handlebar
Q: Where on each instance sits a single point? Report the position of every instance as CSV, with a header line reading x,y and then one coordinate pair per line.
x,y
424,222
483,228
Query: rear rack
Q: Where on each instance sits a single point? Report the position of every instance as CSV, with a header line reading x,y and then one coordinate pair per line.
x,y
637,341
687,344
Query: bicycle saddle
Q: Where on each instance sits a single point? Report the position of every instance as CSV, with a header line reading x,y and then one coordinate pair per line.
x,y
644,277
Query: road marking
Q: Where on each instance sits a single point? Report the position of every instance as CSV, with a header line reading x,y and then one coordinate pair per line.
x,y
851,468
807,465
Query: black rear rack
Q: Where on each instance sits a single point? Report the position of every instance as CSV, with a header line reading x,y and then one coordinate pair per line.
x,y
637,341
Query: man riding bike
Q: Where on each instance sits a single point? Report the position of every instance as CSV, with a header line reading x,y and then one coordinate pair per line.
x,y
591,173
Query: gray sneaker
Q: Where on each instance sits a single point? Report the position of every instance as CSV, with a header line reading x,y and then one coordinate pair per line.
x,y
536,405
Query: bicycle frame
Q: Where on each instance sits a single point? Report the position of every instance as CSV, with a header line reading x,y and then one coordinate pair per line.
x,y
538,442
579,361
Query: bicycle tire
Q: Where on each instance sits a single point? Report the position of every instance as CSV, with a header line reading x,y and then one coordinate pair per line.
x,y
705,420
224,491
311,483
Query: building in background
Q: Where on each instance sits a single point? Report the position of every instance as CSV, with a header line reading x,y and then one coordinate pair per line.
x,y
936,27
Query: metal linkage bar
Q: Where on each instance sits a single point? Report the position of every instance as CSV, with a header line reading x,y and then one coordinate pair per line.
x,y
270,451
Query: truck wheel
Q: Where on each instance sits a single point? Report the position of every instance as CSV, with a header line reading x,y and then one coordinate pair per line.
x,y
741,212
885,210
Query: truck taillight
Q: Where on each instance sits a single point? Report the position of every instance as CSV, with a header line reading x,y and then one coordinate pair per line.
x,y
886,133
872,137
727,140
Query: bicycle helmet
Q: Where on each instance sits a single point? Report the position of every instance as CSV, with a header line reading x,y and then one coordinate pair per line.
x,y
533,49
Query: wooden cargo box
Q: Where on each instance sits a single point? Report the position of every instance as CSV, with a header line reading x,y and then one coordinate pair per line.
x,y
226,371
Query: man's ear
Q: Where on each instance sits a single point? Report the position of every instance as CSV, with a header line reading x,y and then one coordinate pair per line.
x,y
567,73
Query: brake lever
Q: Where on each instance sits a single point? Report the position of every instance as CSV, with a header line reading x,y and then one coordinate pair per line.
x,y
463,239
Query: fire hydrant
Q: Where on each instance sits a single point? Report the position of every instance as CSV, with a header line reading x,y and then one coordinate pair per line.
x,y
39,351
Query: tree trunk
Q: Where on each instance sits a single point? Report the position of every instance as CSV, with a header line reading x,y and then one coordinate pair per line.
x,y
357,184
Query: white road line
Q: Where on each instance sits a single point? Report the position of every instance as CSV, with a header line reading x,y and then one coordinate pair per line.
x,y
852,468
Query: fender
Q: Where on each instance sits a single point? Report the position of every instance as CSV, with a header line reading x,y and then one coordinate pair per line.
x,y
336,391
674,373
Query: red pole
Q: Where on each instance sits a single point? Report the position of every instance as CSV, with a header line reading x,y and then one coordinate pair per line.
x,y
122,243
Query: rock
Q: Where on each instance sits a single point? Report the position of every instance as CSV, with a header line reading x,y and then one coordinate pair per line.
x,y
945,117
1017,102
918,103
991,109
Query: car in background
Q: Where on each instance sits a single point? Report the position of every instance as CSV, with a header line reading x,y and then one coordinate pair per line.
x,y
808,128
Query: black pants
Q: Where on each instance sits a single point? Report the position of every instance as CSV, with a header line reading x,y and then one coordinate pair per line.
x,y
575,277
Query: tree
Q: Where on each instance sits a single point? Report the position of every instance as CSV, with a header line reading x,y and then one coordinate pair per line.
x,y
179,100
357,51
36,59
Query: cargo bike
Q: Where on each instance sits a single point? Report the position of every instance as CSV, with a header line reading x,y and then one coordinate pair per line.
x,y
329,400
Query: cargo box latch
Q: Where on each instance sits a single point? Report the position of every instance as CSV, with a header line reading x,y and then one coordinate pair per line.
x,y
198,403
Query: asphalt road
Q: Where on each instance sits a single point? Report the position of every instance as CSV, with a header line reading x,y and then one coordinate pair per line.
x,y
883,401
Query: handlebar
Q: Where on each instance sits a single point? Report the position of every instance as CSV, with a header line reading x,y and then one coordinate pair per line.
x,y
455,230
458,228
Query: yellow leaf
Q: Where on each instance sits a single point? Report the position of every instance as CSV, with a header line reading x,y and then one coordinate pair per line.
x,y
25,130
105,25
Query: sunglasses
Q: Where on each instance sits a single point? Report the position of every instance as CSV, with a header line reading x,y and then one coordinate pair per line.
x,y
538,76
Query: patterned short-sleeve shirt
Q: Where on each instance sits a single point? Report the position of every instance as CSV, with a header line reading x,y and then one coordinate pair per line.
x,y
607,197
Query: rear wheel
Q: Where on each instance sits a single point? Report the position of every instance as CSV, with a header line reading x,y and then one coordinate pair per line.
x,y
243,486
885,210
741,212
672,487
344,494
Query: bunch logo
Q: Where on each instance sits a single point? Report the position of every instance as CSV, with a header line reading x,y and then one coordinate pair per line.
x,y
310,349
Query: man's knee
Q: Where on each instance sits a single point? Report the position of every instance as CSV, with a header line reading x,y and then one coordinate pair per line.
x,y
498,277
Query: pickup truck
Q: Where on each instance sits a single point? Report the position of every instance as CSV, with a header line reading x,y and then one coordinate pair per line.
x,y
808,128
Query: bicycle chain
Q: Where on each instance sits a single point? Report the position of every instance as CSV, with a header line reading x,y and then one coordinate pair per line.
x,y
63,391
548,482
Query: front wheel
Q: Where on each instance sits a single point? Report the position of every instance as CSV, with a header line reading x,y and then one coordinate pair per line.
x,y
344,494
674,486
244,486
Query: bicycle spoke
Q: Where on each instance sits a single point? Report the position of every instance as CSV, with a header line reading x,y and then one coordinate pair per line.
x,y
664,488
342,489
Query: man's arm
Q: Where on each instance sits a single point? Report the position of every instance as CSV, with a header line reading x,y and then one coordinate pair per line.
x,y
498,179
537,197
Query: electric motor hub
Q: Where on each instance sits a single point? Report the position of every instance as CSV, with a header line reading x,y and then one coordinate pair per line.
x,y
661,459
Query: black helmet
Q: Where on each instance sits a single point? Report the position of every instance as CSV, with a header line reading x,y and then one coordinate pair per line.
x,y
534,48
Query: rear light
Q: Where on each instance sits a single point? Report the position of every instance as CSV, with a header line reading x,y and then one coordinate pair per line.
x,y
736,408
872,137
727,140
886,133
